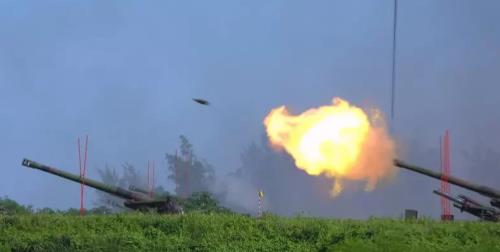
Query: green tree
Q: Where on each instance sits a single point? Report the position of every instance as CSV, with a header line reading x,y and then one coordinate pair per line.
x,y
71,211
100,210
189,173
8,206
45,210
130,176
109,176
203,202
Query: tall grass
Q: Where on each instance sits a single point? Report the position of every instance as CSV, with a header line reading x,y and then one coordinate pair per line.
x,y
231,232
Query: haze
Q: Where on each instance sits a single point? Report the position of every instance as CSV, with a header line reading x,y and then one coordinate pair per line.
x,y
125,72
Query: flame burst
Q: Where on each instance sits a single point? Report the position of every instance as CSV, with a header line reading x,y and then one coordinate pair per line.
x,y
340,141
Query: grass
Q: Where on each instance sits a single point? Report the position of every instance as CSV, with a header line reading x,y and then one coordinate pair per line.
x,y
228,232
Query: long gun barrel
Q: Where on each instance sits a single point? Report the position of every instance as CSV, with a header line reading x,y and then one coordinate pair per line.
x,y
115,190
137,189
483,190
472,207
454,200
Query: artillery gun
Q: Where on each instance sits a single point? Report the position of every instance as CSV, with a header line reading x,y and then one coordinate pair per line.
x,y
139,190
133,199
465,204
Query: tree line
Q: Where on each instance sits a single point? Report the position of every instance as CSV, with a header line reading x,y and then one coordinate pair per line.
x,y
193,178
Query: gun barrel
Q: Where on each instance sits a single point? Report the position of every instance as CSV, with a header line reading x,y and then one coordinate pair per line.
x,y
447,197
115,190
137,189
469,200
483,190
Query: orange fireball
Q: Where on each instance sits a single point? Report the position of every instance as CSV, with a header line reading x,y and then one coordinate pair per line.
x,y
340,141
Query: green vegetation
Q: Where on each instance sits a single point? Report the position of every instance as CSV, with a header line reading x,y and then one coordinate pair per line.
x,y
8,206
189,172
209,227
192,176
232,232
200,202
203,202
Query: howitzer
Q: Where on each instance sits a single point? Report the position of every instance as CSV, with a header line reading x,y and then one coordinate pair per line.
x,y
475,208
133,200
470,206
139,190
489,192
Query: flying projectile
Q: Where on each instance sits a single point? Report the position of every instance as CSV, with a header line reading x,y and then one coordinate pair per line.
x,y
201,101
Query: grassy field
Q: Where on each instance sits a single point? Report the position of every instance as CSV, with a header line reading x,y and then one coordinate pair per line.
x,y
222,232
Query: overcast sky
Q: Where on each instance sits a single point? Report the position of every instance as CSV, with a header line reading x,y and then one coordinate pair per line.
x,y
124,72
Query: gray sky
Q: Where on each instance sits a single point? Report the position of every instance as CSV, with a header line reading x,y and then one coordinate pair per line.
x,y
124,72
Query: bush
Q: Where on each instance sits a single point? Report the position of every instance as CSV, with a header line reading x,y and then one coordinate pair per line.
x,y
203,202
9,207
233,232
